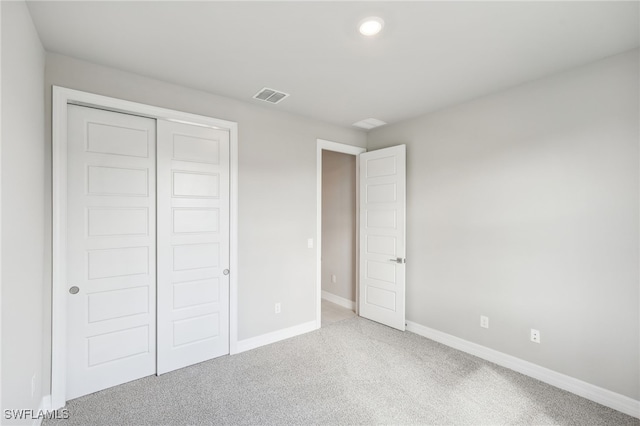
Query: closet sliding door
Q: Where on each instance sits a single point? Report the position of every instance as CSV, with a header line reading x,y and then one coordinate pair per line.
x,y
192,244
111,259
141,242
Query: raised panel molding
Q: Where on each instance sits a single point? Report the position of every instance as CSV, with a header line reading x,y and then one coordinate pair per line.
x,y
377,244
381,167
117,221
196,329
381,219
381,271
113,304
195,293
194,149
381,193
105,138
195,184
117,262
195,220
102,180
118,345
379,297
196,256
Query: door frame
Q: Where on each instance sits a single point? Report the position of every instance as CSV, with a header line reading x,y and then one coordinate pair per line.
x,y
61,98
325,145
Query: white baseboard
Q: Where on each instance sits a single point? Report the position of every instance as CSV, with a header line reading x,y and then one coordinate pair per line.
x,y
345,303
45,405
595,393
37,421
275,336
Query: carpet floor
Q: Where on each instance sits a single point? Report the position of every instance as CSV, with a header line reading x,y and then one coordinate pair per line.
x,y
352,372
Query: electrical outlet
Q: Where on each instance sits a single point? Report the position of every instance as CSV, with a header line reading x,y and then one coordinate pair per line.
x,y
484,321
310,243
33,384
333,279
535,335
278,308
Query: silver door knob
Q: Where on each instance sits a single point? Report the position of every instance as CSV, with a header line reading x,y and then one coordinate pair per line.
x,y
74,290
226,272
399,260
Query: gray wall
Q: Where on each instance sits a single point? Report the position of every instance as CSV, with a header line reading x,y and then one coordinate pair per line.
x,y
23,194
339,224
523,206
277,187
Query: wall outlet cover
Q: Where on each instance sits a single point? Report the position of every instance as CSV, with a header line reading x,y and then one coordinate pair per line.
x,y
535,335
484,321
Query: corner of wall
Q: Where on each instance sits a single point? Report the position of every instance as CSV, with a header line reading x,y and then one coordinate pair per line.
x,y
23,213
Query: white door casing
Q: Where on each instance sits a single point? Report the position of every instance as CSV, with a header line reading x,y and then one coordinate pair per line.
x,y
382,235
193,244
111,335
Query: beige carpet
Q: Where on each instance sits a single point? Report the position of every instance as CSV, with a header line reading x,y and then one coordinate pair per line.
x,y
352,372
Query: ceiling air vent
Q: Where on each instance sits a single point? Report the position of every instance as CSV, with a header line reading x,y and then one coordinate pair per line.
x,y
369,123
270,95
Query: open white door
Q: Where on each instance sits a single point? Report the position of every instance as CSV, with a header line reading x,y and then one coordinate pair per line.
x,y
382,236
193,244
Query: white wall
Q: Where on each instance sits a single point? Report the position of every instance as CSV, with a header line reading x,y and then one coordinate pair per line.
x,y
339,224
277,187
1,405
524,206
23,195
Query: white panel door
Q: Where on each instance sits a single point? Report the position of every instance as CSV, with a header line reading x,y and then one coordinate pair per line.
x,y
193,244
382,236
111,335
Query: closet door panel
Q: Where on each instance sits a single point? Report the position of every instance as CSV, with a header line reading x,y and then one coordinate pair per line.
x,y
193,244
111,261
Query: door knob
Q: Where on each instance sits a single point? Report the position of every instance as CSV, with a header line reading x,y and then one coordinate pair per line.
x,y
399,260
226,272
74,290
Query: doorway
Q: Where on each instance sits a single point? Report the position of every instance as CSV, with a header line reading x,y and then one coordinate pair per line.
x,y
338,236
380,232
337,231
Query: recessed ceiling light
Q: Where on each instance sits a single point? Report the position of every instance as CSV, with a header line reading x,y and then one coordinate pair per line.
x,y
371,26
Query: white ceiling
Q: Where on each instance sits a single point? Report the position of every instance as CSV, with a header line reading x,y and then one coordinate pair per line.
x,y
429,55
